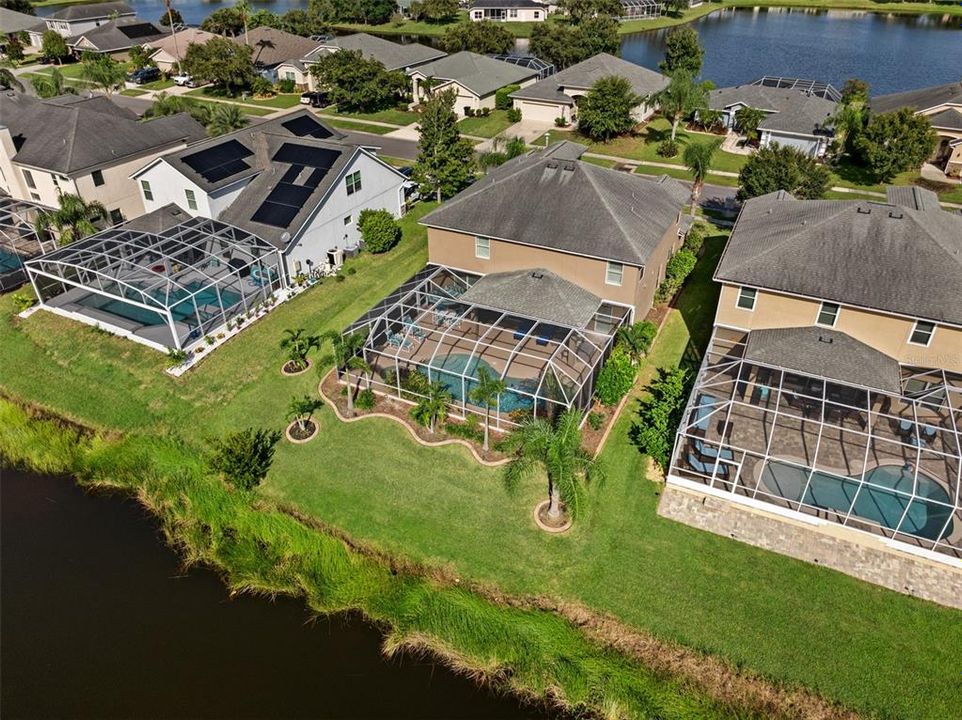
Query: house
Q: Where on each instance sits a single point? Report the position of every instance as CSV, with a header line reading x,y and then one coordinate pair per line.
x,y
824,420
85,146
476,78
508,11
293,182
273,48
116,37
75,20
169,50
12,23
558,95
942,105
798,112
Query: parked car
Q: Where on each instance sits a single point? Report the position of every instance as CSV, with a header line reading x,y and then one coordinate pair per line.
x,y
144,75
184,80
315,99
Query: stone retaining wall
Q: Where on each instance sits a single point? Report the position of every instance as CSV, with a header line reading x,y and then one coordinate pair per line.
x,y
835,547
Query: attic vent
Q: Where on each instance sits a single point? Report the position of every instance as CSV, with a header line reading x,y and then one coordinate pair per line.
x,y
537,275
569,167
862,210
896,215
552,165
827,341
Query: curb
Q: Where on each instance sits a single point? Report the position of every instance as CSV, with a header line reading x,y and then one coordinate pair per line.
x,y
317,430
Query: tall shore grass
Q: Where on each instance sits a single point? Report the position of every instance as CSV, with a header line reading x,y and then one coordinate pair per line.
x,y
537,655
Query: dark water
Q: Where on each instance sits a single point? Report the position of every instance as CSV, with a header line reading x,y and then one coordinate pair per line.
x,y
98,621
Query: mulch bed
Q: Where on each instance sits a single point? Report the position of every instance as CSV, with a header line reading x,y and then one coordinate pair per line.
x,y
658,314
291,368
296,433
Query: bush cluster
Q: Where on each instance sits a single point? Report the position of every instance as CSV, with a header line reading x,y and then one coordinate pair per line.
x,y
660,414
668,148
502,100
364,400
679,268
480,112
616,378
695,238
379,230
514,115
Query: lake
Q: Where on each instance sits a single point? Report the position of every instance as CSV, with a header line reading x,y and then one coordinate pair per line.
x,y
99,620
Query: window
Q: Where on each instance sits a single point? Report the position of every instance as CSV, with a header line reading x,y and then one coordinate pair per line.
x,y
98,177
35,197
347,220
922,333
513,12
614,273
28,177
56,182
191,199
353,182
116,217
746,298
827,314
289,75
482,248
478,15
537,14
145,186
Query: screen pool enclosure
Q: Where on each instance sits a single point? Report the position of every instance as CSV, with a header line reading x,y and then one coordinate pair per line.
x,y
166,289
19,240
425,331
885,462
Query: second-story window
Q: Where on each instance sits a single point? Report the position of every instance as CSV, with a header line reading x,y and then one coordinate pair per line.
x,y
922,333
28,177
746,298
353,182
191,199
827,314
614,273
482,248
148,193
98,177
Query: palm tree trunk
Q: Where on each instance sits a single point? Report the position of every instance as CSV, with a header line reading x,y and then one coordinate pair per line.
x,y
554,501
487,426
350,395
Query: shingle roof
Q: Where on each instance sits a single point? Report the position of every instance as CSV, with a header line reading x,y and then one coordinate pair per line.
x,y
180,40
73,134
868,254
536,293
567,205
912,196
163,218
790,110
12,21
272,46
825,353
921,99
583,75
120,34
479,74
92,11
392,55
950,119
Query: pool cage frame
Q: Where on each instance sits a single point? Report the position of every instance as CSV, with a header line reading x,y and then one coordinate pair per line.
x,y
19,237
426,309
162,271
640,9
919,430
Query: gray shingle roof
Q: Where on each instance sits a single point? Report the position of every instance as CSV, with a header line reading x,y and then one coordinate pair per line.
x,y
789,110
92,11
392,55
12,21
163,218
950,119
479,74
535,293
568,205
271,47
868,254
825,353
74,134
583,75
120,34
921,99
912,196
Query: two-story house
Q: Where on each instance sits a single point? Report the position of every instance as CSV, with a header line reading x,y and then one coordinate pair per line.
x,y
75,20
830,396
85,146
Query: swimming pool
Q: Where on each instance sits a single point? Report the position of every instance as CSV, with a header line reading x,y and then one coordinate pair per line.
x,y
467,365
182,311
9,261
881,502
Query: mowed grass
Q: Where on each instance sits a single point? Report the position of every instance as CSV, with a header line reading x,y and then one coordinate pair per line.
x,y
276,102
881,652
392,116
358,126
486,127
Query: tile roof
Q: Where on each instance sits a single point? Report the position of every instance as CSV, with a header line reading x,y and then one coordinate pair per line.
x,y
583,75
867,254
547,201
272,47
74,134
392,55
120,34
789,110
920,99
93,11
825,353
535,293
479,74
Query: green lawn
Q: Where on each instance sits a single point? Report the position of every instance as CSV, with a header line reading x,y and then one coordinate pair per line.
x,y
392,116
162,84
486,127
277,102
881,652
358,126
396,161
133,92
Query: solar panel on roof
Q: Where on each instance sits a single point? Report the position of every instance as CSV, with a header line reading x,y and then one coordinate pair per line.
x,y
136,31
292,172
305,125
220,161
306,155
274,214
287,194
315,177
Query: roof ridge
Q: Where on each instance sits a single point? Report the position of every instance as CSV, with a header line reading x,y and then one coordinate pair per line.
x,y
589,168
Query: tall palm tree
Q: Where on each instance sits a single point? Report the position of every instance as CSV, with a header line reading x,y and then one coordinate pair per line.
x,y
244,8
698,157
682,96
224,119
9,80
557,450
344,354
299,345
486,393
52,85
72,221
432,407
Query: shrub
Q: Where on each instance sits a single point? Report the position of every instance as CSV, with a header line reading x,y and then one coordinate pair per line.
x,y
397,19
351,270
679,268
365,399
469,112
514,115
176,357
243,458
483,112
668,148
286,85
615,379
696,238
208,339
379,230
22,300
560,122
470,429
502,101
660,414
596,420
260,85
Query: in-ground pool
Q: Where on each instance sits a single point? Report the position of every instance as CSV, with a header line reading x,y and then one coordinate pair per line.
x,y
182,311
881,502
465,364
9,261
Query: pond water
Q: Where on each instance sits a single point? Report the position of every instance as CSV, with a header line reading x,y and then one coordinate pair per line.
x,y
99,621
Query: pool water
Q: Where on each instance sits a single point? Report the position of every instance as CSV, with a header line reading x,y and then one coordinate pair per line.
x,y
181,311
467,365
9,261
881,503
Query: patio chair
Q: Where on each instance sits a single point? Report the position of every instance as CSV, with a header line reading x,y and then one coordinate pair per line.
x,y
706,468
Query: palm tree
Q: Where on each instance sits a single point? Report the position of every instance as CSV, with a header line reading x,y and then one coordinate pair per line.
x,y
344,354
298,345
698,157
636,339
102,71
165,104
747,120
52,85
556,449
72,221
486,393
681,98
224,119
244,8
432,407
301,409
9,80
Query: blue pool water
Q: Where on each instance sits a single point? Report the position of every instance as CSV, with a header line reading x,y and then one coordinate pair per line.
x,y
9,261
458,364
182,311
883,505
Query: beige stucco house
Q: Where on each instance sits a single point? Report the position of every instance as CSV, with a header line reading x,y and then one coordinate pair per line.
x,y
169,50
508,11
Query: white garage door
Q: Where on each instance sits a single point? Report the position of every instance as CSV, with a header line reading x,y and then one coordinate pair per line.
x,y
538,112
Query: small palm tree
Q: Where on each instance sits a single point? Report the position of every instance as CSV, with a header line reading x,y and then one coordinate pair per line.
x,y
52,85
486,393
636,339
557,450
224,119
698,157
102,71
747,120
9,80
72,221
432,407
300,410
165,104
299,345
345,357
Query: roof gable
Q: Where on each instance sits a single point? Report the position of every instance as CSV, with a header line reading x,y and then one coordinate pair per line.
x,y
479,74
583,76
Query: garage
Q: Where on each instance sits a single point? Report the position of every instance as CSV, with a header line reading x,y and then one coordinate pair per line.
x,y
540,112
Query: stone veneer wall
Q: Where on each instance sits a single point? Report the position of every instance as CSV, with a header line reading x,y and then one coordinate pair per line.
x,y
834,547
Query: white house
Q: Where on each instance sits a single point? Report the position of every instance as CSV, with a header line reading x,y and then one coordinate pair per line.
x,y
293,182
508,11
78,19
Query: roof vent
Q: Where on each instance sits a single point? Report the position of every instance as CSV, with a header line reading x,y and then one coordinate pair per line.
x,y
570,167
552,165
896,215
863,210
827,341
537,275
